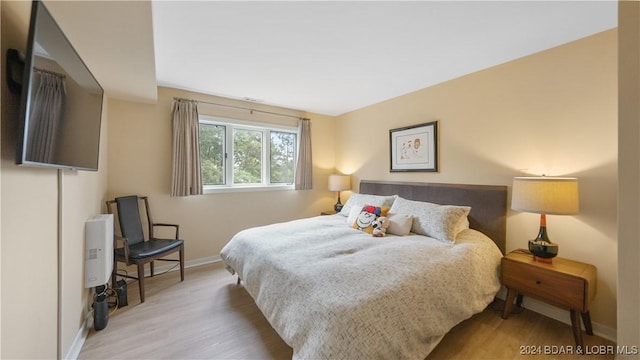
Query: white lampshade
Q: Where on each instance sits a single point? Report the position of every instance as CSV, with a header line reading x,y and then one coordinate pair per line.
x,y
339,182
545,195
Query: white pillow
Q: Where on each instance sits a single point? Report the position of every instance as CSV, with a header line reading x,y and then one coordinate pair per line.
x,y
399,224
360,200
462,224
353,215
437,221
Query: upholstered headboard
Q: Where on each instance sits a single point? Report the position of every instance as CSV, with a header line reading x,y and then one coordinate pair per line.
x,y
488,202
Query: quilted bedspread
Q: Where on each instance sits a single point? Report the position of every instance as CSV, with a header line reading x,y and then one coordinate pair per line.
x,y
333,292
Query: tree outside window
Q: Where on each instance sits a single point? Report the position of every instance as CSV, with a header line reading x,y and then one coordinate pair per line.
x,y
283,145
247,156
212,144
241,155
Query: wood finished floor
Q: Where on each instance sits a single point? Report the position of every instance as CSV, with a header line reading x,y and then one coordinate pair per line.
x,y
208,317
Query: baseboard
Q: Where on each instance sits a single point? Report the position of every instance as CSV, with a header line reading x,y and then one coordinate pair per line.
x,y
561,315
203,261
81,337
187,264
162,266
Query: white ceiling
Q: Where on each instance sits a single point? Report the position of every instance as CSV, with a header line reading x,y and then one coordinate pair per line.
x,y
318,56
334,57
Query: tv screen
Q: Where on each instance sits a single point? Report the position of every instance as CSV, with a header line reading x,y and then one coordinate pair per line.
x,y
61,101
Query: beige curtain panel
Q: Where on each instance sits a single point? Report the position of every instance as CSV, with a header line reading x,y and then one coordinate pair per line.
x,y
304,168
187,177
47,108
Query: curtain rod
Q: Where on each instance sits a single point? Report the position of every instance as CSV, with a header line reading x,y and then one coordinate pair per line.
x,y
241,107
48,72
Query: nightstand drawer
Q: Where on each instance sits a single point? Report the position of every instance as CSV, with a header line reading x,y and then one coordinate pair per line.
x,y
562,282
557,288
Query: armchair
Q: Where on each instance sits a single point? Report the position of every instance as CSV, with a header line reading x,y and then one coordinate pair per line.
x,y
134,248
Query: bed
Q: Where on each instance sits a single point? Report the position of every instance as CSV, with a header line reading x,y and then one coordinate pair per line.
x,y
335,292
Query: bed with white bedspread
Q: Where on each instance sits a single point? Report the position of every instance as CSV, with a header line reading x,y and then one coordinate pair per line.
x,y
335,292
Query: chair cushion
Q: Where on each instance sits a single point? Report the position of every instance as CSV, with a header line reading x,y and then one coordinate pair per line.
x,y
149,248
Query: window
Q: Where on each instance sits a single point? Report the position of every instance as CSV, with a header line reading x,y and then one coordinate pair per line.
x,y
282,156
236,155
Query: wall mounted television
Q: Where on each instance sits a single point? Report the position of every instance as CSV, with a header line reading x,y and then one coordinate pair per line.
x,y
61,101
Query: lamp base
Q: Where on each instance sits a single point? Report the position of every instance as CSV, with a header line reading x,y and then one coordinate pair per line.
x,y
543,260
338,206
543,251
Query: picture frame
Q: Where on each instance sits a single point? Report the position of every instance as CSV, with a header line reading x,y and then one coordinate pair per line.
x,y
414,148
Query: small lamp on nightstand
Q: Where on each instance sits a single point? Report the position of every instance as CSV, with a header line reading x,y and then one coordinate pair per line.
x,y
339,183
545,195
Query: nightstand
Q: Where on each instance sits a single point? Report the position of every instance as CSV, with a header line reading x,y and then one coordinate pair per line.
x,y
332,212
564,283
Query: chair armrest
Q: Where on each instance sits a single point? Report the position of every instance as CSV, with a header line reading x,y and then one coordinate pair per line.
x,y
169,225
125,243
117,237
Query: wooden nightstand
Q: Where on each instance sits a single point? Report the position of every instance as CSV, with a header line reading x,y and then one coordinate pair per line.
x,y
564,283
332,212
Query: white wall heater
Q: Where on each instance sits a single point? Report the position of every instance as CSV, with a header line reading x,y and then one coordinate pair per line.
x,y
98,234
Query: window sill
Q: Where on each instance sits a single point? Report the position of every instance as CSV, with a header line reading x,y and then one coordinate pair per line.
x,y
248,188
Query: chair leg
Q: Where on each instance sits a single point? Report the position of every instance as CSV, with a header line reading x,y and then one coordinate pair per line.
x,y
141,280
151,266
182,263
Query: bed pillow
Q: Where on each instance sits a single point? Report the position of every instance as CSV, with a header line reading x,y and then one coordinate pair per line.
x,y
366,217
442,222
359,200
353,215
462,224
399,224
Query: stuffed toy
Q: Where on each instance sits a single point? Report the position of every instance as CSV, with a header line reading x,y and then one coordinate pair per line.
x,y
367,216
380,226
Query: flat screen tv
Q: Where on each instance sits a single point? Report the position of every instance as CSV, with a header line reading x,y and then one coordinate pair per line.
x,y
61,101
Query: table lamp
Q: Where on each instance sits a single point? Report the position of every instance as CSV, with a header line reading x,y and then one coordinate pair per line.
x,y
545,195
339,183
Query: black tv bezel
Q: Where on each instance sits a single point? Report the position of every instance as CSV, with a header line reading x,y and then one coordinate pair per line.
x,y
37,7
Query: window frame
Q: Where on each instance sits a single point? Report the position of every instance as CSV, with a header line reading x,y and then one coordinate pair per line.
x,y
265,128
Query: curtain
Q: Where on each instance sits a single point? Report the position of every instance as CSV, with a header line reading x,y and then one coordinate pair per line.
x,y
186,174
304,168
47,108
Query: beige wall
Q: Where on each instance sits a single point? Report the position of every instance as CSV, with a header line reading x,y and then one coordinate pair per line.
x,y
31,273
140,163
82,194
552,113
629,174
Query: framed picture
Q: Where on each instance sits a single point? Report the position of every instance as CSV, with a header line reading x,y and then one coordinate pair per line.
x,y
414,148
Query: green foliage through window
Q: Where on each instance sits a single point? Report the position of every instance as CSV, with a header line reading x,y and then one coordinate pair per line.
x,y
247,156
236,154
282,154
212,144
